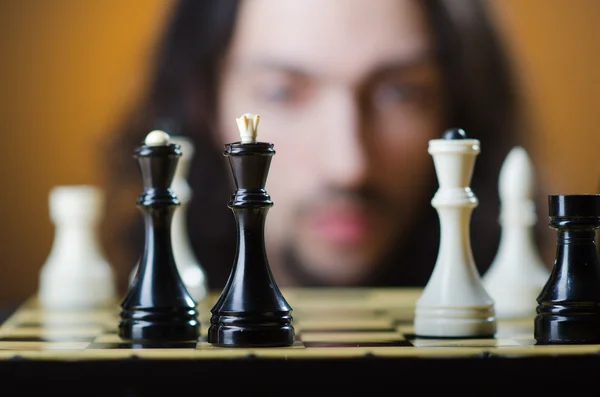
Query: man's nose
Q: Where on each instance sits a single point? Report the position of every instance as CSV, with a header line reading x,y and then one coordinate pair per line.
x,y
344,161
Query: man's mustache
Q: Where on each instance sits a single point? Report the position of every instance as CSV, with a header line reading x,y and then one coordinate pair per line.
x,y
363,196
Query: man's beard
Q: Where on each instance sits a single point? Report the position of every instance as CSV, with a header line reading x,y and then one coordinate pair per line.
x,y
407,261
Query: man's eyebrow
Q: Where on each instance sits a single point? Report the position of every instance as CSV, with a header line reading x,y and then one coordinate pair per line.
x,y
391,66
404,64
266,63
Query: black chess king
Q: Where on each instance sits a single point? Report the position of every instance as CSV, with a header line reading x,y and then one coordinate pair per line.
x,y
157,306
251,310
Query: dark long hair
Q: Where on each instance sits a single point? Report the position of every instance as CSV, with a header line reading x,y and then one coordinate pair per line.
x,y
181,98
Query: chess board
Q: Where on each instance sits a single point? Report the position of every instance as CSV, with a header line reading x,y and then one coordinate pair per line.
x,y
368,331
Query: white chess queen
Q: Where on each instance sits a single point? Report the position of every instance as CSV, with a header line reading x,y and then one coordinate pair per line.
x,y
454,302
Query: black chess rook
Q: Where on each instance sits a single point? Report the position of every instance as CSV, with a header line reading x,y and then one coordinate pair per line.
x,y
568,310
157,306
251,310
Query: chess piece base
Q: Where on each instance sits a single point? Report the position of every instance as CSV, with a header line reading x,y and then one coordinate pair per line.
x,y
155,325
274,330
477,322
580,328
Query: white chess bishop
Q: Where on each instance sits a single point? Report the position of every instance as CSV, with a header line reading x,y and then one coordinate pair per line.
x,y
517,274
454,303
76,273
189,267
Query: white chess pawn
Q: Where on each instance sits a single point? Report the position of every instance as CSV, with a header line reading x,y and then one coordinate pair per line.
x,y
454,302
76,273
189,267
517,273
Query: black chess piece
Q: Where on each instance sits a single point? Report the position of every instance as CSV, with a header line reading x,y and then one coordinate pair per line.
x,y
568,310
157,306
251,310
454,134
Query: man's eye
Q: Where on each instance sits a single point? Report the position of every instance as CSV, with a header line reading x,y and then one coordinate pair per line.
x,y
279,94
388,93
293,94
392,92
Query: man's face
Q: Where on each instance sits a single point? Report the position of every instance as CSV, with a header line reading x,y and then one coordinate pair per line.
x,y
349,94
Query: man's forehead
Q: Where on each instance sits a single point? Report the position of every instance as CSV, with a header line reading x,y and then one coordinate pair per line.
x,y
317,37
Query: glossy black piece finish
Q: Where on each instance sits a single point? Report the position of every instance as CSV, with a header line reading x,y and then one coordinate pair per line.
x,y
568,310
251,310
454,133
157,306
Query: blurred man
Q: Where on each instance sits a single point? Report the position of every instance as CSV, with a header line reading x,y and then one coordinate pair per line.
x,y
350,93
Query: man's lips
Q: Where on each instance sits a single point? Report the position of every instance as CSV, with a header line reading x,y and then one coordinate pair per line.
x,y
340,227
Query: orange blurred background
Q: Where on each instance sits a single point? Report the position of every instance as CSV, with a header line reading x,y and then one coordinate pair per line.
x,y
70,68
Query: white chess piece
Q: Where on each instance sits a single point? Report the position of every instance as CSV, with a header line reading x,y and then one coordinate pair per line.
x,y
454,302
190,269
517,273
76,273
